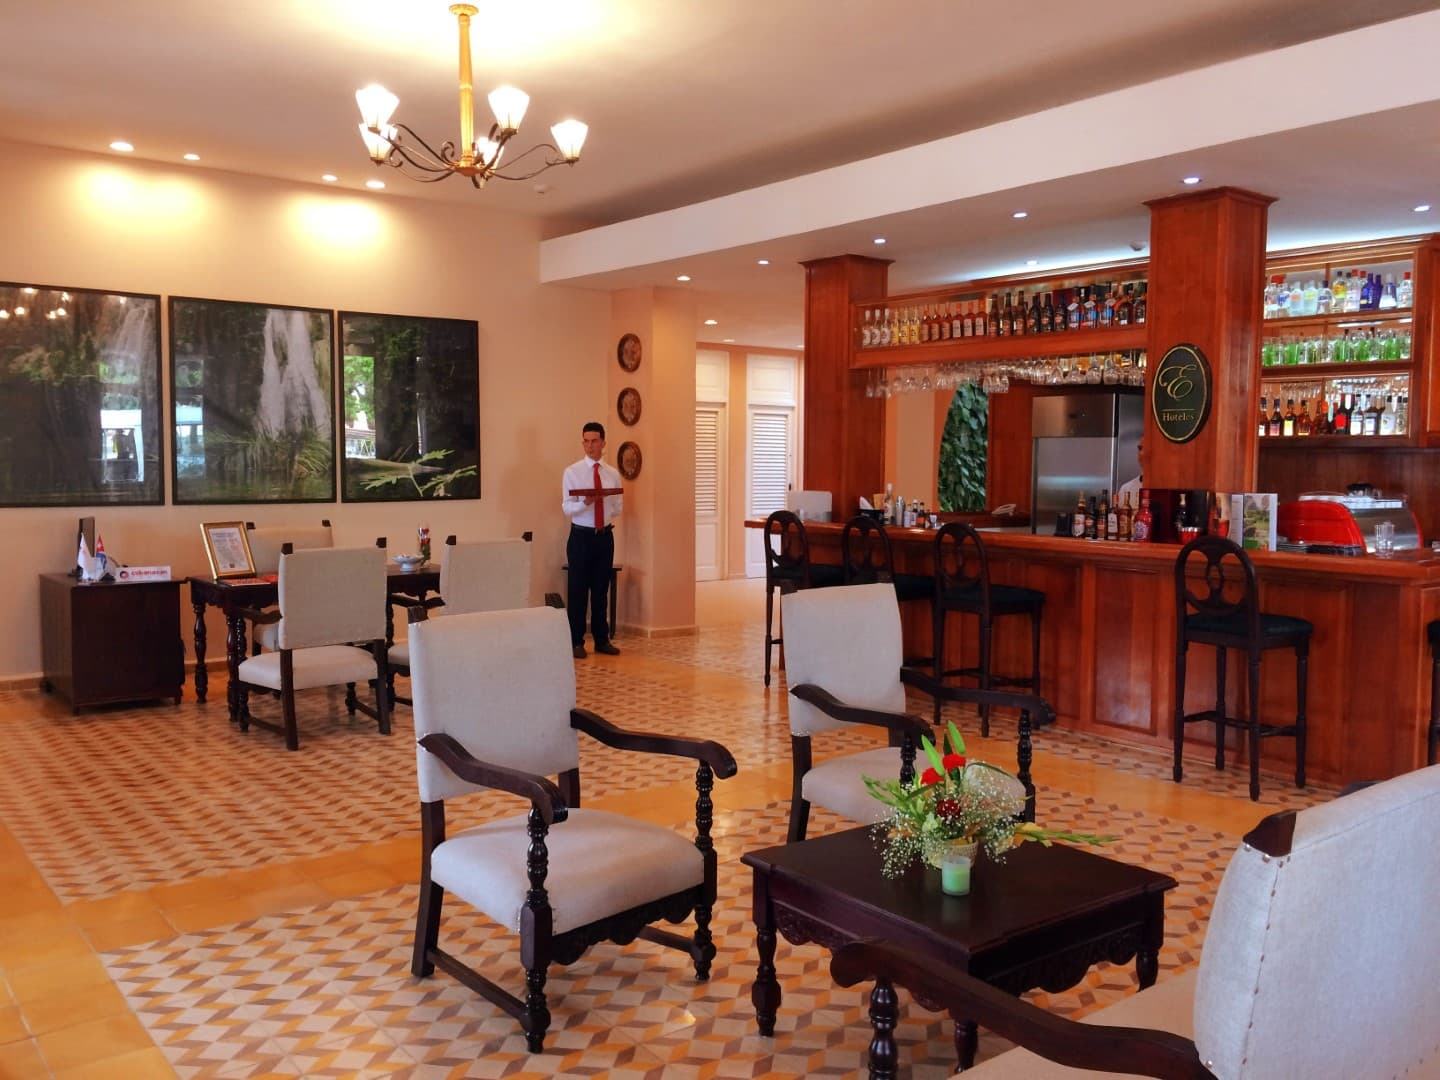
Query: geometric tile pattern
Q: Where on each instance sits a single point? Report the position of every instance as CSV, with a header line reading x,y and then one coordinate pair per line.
x,y
327,991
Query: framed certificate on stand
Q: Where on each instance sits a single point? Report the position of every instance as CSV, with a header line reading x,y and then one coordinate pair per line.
x,y
227,549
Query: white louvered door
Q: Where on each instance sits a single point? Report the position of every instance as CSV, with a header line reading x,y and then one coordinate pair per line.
x,y
770,470
709,492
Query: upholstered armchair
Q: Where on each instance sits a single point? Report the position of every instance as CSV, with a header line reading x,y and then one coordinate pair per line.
x,y
329,599
1318,963
843,660
482,575
494,701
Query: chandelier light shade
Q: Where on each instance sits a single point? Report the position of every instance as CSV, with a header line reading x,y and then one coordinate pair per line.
x,y
399,146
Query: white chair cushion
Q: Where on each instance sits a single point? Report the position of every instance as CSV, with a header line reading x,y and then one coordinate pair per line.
x,y
269,636
485,575
400,654
265,543
331,596
1166,1006
846,641
327,665
837,785
600,864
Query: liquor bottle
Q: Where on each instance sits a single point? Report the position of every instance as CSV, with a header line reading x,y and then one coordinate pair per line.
x,y
1077,519
1141,305
1338,292
1402,414
1297,299
1264,419
1075,313
1310,303
1143,527
1090,314
1038,322
867,330
1357,415
1107,307
1322,305
995,319
1370,422
1387,416
1182,516
1287,424
1125,309
958,321
982,324
1322,417
1059,318
1091,520
1019,316
1112,522
1276,420
1127,519
1352,291
1367,293
884,329
1388,298
1405,291
926,326
1302,421
1047,314
1340,422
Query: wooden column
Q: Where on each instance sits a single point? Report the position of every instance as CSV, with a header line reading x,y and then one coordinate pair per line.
x,y
844,430
1207,277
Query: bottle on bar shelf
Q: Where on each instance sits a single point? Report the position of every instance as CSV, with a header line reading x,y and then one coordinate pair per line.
x,y
1182,515
1019,314
1141,529
1302,419
1141,304
1112,521
1287,422
1077,519
1264,419
1090,522
1127,519
1037,322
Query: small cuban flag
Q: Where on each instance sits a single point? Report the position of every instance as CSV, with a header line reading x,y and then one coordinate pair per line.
x,y
102,561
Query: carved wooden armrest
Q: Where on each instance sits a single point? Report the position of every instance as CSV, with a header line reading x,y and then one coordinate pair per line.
x,y
1094,1047
1040,711
711,753
831,706
544,796
259,616
405,601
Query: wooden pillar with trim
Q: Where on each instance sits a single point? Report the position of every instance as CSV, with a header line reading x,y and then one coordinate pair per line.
x,y
844,430
1207,277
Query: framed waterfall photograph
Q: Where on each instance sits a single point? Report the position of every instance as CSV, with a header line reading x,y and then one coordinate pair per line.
x,y
410,397
80,406
253,391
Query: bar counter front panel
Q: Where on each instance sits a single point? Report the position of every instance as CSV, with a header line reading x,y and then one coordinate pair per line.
x,y
1108,645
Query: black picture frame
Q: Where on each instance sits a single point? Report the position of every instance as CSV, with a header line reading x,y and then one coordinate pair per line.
x,y
409,408
252,387
81,412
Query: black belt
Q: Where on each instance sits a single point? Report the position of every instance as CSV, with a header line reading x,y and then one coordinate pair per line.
x,y
591,528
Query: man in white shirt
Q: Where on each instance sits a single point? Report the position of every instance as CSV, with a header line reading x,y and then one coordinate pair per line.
x,y
591,547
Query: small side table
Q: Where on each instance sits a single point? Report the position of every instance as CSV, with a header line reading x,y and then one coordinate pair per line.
x,y
107,643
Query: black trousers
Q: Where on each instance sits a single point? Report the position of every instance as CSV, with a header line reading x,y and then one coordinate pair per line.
x,y
591,555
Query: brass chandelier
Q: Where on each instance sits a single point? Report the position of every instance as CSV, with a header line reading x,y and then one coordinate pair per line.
x,y
399,146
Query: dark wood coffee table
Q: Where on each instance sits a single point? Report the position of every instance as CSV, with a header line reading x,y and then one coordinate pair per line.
x,y
1039,919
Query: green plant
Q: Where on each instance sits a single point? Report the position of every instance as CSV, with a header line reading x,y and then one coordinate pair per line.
x,y
415,473
962,451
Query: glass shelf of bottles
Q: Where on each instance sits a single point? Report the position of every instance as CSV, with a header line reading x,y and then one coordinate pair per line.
x,y
1340,409
1343,344
977,325
1333,293
1116,369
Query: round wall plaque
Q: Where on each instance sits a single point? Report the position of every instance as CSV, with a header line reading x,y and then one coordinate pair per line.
x,y
1180,393
628,352
628,460
627,405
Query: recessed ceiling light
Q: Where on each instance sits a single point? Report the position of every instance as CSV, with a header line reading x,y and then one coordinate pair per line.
x,y
879,239
121,145
192,157
1018,214
712,322
1422,208
375,185
727,341
1032,262
1191,181
762,262
682,277
329,177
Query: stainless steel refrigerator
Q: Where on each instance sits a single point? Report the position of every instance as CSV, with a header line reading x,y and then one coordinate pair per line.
x,y
1082,442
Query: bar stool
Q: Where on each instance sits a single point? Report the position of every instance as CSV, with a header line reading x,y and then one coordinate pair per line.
x,y
866,557
1433,630
962,583
1235,622
788,569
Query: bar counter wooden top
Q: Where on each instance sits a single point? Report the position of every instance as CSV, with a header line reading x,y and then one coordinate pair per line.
x,y
1108,645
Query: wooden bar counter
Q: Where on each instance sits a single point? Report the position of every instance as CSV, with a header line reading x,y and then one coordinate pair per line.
x,y
1108,644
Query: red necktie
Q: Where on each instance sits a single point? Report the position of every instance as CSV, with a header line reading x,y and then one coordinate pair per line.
x,y
599,501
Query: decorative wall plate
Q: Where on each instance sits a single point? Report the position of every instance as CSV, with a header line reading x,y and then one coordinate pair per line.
x,y
627,405
628,460
628,352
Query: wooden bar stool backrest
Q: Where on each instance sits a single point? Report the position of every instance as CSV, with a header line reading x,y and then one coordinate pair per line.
x,y
865,552
789,560
1215,579
961,564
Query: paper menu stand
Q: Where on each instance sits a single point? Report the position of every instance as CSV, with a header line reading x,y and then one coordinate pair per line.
x,y
1253,518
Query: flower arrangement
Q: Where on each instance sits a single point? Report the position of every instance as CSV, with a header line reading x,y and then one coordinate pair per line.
x,y
957,800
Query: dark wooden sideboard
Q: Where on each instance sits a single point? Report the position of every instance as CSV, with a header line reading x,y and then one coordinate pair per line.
x,y
108,643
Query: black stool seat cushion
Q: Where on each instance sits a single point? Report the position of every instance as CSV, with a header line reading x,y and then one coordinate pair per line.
x,y
1236,627
1433,631
1004,599
823,575
914,587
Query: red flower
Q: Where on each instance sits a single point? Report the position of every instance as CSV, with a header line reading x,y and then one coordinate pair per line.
x,y
929,777
953,761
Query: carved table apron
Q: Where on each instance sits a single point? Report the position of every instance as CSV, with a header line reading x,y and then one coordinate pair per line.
x,y
1041,918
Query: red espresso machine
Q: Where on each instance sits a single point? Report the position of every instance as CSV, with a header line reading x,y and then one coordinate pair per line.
x,y
1332,523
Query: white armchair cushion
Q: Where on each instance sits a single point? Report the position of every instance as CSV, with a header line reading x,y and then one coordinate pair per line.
x,y
269,636
327,665
400,654
600,864
837,785
845,641
265,543
485,575
331,596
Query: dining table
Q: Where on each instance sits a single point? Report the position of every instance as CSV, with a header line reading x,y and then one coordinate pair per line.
x,y
234,595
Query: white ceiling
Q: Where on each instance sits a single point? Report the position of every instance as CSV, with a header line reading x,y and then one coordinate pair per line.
x,y
690,101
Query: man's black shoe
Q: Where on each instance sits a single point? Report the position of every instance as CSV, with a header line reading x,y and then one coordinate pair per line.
x,y
607,649
579,651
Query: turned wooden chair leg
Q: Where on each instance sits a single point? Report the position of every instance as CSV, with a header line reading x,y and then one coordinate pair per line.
x,y
1220,706
1178,771
1255,728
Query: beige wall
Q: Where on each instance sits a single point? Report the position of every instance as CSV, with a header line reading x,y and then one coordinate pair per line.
x,y
99,222
912,445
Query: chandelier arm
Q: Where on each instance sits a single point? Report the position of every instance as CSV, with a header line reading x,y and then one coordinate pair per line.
x,y
550,162
427,157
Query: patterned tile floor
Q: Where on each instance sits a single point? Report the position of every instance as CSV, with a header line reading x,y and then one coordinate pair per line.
x,y
187,900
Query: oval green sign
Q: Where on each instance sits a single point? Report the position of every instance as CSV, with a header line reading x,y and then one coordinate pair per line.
x,y
1180,393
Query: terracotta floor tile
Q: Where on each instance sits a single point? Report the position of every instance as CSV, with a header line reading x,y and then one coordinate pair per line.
x,y
43,946
93,1041
196,891
12,1025
122,907
288,897
210,914
22,1061
72,1007
117,935
138,1065
49,977
365,879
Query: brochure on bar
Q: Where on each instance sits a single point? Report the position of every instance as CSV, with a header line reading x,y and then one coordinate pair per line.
x,y
1253,517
